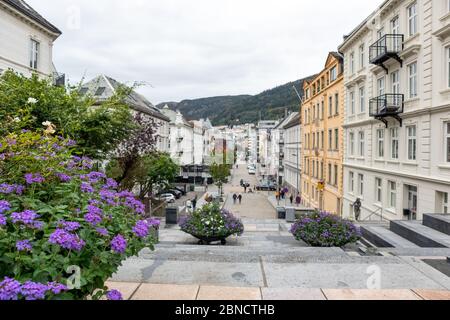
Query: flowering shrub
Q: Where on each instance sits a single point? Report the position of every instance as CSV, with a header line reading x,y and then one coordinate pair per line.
x,y
211,221
325,230
55,213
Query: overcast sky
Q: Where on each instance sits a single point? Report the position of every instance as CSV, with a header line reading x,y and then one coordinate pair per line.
x,y
184,49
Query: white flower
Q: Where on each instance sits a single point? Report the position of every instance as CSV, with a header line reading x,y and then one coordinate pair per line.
x,y
16,119
32,101
47,124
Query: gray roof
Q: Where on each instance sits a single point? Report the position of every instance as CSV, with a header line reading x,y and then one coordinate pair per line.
x,y
294,122
103,88
27,10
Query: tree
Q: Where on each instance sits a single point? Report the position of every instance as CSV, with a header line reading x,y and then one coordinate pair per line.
x,y
26,103
220,174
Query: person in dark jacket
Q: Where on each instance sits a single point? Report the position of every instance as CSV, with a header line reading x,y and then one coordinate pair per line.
x,y
234,198
240,198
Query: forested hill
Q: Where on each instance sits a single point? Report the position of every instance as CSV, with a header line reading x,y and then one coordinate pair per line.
x,y
270,104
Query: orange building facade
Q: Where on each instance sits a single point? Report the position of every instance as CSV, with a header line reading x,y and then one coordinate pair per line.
x,y
322,138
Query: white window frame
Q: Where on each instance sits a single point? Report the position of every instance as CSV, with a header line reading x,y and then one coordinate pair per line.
x,y
352,62
394,137
411,136
362,99
412,19
361,143
351,182
447,55
412,80
34,54
362,57
378,190
352,103
445,203
447,141
381,86
392,194
330,106
352,143
361,184
380,135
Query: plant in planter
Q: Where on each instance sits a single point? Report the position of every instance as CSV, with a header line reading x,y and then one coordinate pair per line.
x,y
56,214
211,224
325,230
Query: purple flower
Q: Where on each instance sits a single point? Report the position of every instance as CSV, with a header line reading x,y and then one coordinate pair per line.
x,y
2,220
141,229
69,226
56,288
27,217
92,218
9,289
63,177
86,188
24,245
33,291
4,206
31,178
110,184
71,143
134,204
8,188
102,232
155,223
95,177
66,240
119,244
114,295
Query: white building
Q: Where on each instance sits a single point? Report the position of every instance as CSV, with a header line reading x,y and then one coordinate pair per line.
x,y
26,40
201,138
397,121
181,146
264,146
103,88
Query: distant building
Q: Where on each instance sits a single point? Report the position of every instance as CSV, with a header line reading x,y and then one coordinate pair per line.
x,y
322,134
264,138
292,162
26,40
181,137
103,88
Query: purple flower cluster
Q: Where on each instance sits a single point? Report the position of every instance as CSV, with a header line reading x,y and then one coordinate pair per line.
x,y
24,245
27,218
11,289
2,220
102,231
110,184
11,188
86,188
4,206
114,295
69,226
141,229
66,240
31,178
119,244
134,204
64,177
94,215
95,177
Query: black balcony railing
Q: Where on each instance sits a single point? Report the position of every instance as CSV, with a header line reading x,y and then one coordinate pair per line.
x,y
387,47
387,105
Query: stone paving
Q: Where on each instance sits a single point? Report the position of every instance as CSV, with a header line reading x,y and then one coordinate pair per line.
x,y
268,263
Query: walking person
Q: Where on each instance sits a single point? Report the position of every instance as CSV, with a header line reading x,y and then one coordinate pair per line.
x,y
291,198
234,198
240,198
194,203
298,200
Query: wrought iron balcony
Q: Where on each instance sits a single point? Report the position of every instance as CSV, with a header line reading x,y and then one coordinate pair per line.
x,y
387,47
387,105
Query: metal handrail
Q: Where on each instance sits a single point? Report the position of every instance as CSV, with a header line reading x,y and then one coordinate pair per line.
x,y
374,213
387,44
387,104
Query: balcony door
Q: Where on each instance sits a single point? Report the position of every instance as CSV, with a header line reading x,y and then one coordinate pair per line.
x,y
395,88
395,29
412,202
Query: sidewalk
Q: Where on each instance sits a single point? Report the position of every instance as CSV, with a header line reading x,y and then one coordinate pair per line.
x,y
285,203
146,291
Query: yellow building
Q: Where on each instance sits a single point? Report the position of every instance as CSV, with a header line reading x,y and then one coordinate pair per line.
x,y
322,138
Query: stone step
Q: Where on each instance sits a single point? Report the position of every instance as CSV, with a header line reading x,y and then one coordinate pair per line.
x,y
437,222
382,237
419,234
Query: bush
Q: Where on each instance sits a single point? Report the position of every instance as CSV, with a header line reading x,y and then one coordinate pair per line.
x,y
56,213
212,222
325,230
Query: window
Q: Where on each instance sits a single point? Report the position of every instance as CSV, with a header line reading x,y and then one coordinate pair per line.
x,y
380,33
336,173
352,63
395,82
352,182
333,74
352,103
412,142
412,76
330,139
392,191
321,140
352,143
448,64
336,139
361,144
330,106
378,190
361,56
329,173
394,143
412,19
322,110
360,184
447,141
380,143
362,100
100,91
395,29
336,99
445,207
381,86
321,170
34,54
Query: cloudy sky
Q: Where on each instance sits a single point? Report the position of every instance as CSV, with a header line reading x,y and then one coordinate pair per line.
x,y
199,48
